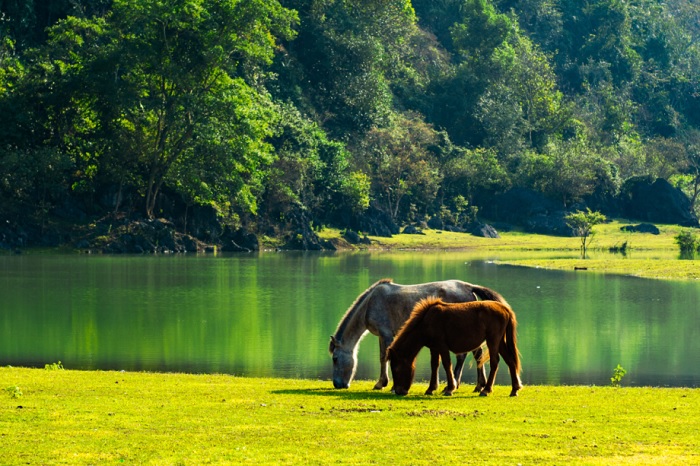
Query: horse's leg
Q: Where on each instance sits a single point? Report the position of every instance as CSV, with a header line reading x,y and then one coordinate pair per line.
x,y
516,384
383,381
494,359
434,366
480,371
459,366
447,364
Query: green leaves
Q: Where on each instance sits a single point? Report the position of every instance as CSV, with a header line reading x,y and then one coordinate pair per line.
x,y
401,165
618,373
481,31
311,174
167,80
582,223
349,54
323,106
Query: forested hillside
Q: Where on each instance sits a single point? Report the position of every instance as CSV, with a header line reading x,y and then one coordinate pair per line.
x,y
276,117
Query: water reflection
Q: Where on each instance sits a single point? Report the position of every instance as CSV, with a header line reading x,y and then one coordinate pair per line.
x,y
272,314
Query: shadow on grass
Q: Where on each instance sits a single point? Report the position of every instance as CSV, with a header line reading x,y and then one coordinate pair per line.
x,y
366,395
339,393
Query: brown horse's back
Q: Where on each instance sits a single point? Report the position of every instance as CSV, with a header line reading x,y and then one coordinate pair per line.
x,y
465,326
465,323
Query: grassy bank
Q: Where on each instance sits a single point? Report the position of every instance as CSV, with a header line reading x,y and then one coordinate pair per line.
x,y
605,236
73,417
647,255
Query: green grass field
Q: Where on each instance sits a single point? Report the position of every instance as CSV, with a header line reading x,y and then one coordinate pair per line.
x,y
74,417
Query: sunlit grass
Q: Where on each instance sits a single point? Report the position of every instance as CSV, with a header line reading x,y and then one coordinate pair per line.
x,y
605,236
648,268
73,417
647,255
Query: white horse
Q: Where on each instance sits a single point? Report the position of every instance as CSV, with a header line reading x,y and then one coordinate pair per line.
x,y
381,310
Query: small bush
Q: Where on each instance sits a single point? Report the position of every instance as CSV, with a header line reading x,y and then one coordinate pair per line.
x,y
618,373
687,242
14,391
56,366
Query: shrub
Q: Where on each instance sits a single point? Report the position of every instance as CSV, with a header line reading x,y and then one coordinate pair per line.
x,y
687,242
56,366
618,373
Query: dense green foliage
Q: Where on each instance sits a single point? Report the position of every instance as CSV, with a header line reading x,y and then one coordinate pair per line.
x,y
278,113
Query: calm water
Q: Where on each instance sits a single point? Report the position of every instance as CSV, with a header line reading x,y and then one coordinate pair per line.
x,y
272,314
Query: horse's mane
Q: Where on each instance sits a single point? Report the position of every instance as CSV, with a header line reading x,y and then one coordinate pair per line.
x,y
417,314
354,307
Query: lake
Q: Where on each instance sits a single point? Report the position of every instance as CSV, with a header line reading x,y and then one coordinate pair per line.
x,y
271,314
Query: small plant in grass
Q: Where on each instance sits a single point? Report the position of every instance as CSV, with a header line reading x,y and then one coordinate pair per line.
x,y
14,391
621,249
56,366
618,373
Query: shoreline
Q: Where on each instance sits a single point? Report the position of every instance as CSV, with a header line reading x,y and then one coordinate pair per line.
x,y
646,255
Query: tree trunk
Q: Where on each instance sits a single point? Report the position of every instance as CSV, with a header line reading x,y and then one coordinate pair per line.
x,y
119,195
153,190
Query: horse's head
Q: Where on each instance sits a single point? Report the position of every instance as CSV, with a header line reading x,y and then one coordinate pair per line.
x,y
344,363
403,370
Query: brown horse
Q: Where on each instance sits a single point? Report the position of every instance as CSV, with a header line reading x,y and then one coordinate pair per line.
x,y
381,310
459,328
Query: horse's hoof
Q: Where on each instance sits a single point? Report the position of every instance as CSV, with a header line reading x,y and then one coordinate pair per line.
x,y
429,392
483,393
477,389
447,393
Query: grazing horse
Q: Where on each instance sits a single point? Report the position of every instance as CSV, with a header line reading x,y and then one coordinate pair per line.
x,y
459,328
381,310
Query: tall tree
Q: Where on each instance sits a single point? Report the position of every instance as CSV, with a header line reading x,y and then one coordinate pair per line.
x,y
311,178
347,54
403,169
477,34
177,83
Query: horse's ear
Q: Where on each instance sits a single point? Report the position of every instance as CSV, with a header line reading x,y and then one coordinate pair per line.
x,y
333,344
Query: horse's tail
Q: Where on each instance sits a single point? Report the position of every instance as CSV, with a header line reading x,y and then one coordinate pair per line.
x,y
485,356
485,294
512,340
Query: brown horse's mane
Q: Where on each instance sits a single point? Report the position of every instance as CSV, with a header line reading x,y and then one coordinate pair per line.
x,y
353,308
417,315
